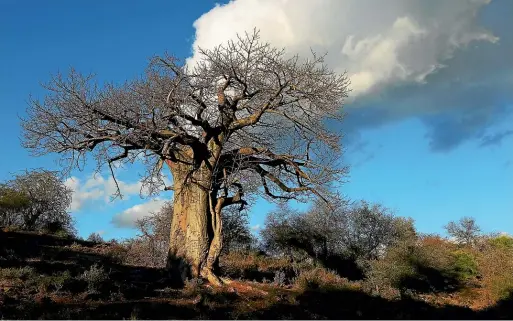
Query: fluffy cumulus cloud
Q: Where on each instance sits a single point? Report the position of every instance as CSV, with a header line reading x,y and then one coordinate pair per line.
x,y
128,217
98,188
447,62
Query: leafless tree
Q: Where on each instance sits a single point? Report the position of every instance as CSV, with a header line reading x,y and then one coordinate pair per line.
x,y
358,231
152,244
371,228
95,238
236,231
245,119
465,231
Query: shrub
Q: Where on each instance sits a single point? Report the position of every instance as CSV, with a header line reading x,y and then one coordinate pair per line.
x,y
192,286
42,282
12,202
429,265
502,241
17,273
60,281
117,252
371,228
464,267
384,276
54,282
116,296
320,279
254,266
279,278
150,247
64,234
94,277
496,270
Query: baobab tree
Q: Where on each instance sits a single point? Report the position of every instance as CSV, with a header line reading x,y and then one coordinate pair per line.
x,y
245,119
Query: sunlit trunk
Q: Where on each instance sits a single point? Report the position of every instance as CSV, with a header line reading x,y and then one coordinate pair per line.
x,y
195,240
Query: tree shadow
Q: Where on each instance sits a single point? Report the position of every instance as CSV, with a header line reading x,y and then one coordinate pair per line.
x,y
339,304
344,267
430,280
51,256
501,310
349,304
253,273
143,309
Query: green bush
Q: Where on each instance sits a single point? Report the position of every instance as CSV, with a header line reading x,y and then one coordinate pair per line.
x,y
55,282
17,273
464,267
63,234
94,277
61,280
429,265
503,241
384,276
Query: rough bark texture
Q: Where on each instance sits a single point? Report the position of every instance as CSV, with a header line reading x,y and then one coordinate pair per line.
x,y
196,239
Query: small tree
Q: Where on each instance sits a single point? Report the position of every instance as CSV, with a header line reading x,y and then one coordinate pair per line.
x,y
245,116
465,231
370,228
236,232
151,246
36,200
12,204
95,238
359,231
285,232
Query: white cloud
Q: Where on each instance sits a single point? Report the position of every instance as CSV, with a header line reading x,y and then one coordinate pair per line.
x,y
447,63
378,42
97,188
128,217
256,227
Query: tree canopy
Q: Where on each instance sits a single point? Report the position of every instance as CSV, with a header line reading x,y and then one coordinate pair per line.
x,y
246,119
267,110
36,200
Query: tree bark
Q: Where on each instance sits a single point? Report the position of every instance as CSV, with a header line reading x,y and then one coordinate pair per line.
x,y
195,240
216,244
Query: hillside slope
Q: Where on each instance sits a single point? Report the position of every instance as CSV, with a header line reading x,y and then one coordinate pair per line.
x,y
46,277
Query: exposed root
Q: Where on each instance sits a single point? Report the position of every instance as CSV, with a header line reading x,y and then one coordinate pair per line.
x,y
211,277
226,280
243,287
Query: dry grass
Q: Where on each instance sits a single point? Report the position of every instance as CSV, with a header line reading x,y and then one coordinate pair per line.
x,y
52,285
256,267
241,261
321,279
496,269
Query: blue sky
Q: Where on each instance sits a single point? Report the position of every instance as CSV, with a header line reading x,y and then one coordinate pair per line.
x,y
429,122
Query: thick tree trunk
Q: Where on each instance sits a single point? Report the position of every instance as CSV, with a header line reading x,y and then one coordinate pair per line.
x,y
195,239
